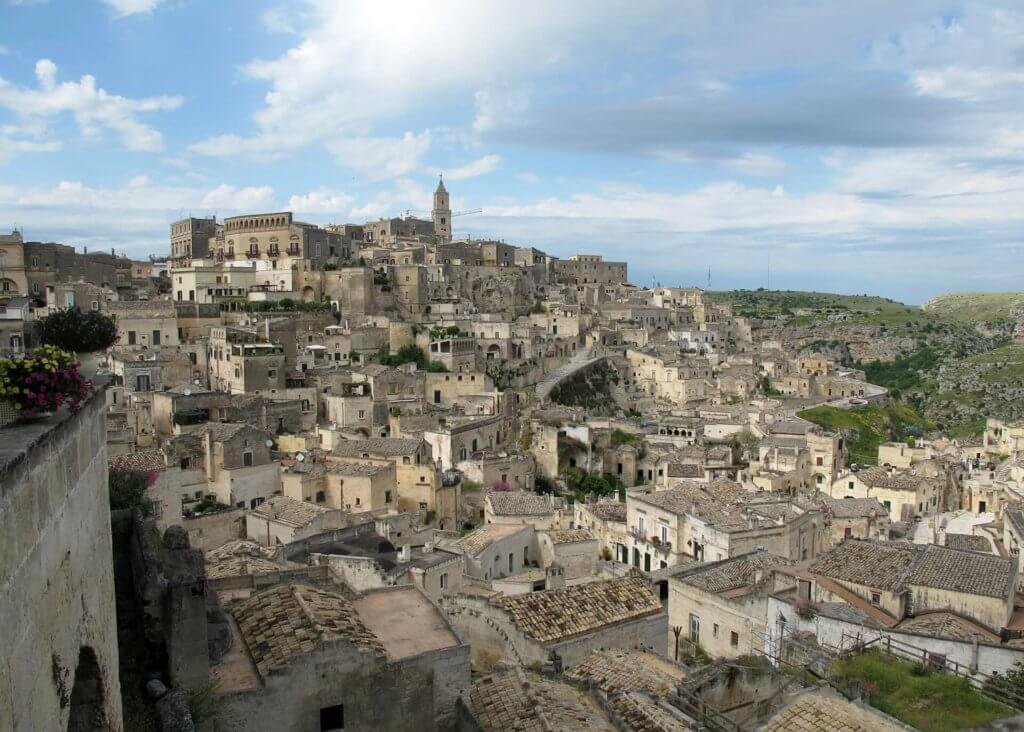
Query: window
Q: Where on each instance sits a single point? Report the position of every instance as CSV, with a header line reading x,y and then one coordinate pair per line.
x,y
156,337
272,373
142,382
332,718
714,631
694,628
247,458
359,501
387,496
131,338
663,528
641,522
876,598
734,639
511,560
444,580
821,461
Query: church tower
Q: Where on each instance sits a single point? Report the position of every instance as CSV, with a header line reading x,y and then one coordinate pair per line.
x,y
442,213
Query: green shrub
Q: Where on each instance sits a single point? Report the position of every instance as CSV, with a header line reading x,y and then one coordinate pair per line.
x,y
78,332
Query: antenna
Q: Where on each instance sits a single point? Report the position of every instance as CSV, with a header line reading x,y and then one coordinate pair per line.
x,y
709,278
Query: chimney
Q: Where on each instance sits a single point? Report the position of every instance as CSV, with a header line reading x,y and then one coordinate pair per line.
x,y
112,252
405,553
85,250
428,547
554,578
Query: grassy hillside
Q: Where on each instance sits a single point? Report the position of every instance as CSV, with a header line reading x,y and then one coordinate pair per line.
x,y
974,307
808,307
869,426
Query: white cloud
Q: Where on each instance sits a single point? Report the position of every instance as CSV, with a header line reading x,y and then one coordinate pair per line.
x,y
356,64
139,181
382,157
497,106
250,198
123,8
93,108
481,166
528,177
320,201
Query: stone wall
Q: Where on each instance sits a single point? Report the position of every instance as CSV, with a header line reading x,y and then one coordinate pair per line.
x,y
58,646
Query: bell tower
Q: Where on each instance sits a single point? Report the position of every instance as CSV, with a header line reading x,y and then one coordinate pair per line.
x,y
442,213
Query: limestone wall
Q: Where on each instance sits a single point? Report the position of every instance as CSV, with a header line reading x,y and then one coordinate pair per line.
x,y
56,574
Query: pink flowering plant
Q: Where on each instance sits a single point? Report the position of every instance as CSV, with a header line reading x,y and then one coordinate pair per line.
x,y
43,381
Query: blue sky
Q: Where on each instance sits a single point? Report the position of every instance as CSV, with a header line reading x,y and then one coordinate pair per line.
x,y
860,147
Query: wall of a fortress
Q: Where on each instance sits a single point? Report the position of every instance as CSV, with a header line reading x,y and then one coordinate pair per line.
x,y
56,569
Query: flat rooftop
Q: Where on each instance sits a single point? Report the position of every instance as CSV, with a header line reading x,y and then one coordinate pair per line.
x,y
405,621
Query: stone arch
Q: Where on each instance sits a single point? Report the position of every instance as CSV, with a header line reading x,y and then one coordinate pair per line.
x,y
308,294
87,695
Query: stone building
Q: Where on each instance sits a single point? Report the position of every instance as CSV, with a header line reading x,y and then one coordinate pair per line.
x,y
305,658
567,624
590,268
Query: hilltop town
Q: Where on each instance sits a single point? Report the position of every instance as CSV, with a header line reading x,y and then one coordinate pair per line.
x,y
377,476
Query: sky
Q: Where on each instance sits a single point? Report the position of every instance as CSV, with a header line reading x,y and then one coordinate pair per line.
x,y
857,147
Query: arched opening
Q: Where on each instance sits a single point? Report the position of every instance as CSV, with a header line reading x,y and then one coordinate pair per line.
x,y
308,294
87,695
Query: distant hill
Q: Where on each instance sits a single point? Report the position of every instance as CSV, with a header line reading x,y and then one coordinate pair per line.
x,y
977,307
806,307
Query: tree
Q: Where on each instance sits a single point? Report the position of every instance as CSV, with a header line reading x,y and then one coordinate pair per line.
x,y
78,332
128,490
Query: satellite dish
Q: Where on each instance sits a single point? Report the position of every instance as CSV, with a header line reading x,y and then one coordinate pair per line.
x,y
300,457
187,392
270,443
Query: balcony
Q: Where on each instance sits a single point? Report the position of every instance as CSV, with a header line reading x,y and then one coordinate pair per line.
x,y
253,254
229,255
273,253
293,251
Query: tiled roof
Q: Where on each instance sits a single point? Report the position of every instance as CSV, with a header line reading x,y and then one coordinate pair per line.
x,y
853,507
377,446
948,625
817,711
519,503
287,620
615,671
527,702
288,510
895,566
563,613
476,541
146,460
221,431
959,571
608,511
969,542
735,573
643,714
879,477
238,548
570,536
240,567
882,565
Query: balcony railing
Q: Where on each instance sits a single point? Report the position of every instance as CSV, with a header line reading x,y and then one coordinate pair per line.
x,y
273,253
252,253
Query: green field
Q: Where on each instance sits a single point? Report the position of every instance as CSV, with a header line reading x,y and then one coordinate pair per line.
x,y
974,307
925,699
869,426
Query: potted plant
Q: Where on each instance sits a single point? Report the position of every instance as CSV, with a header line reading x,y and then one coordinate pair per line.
x,y
38,384
87,334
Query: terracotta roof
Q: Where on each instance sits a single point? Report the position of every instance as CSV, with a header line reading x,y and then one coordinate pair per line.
x,y
879,477
287,620
144,461
519,503
240,567
238,548
948,625
558,614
